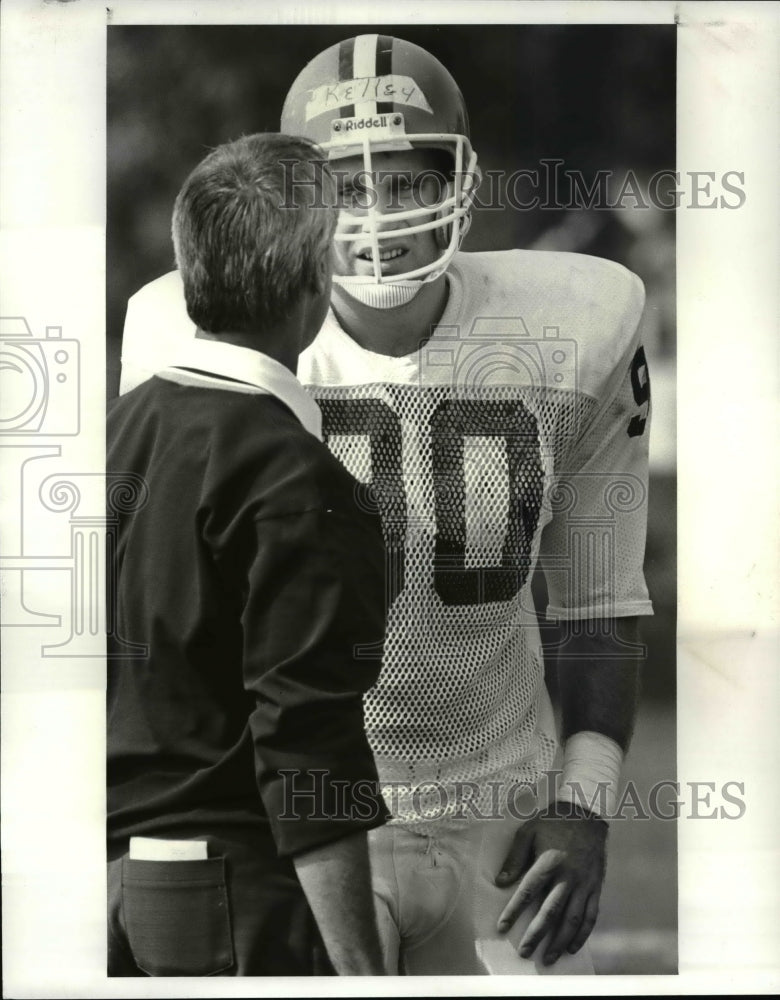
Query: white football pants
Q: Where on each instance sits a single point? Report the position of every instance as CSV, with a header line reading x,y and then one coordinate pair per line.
x,y
437,904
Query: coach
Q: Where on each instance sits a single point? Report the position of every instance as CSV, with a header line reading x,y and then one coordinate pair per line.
x,y
240,781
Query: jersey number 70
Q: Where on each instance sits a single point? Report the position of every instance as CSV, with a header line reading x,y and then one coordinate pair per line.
x,y
512,489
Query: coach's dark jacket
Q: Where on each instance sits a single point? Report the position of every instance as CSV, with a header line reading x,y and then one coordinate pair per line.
x,y
254,579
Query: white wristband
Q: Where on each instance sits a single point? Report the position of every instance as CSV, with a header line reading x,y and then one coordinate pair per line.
x,y
591,773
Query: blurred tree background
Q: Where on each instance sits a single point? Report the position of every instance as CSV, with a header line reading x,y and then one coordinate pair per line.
x,y
597,97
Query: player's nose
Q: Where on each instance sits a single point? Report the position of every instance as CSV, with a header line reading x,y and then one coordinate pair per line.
x,y
387,201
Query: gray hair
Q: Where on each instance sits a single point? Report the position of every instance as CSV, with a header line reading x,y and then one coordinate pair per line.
x,y
245,248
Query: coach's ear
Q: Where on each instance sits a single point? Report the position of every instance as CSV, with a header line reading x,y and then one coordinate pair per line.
x,y
323,272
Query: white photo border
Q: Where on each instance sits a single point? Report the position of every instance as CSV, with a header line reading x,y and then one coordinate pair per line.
x,y
52,197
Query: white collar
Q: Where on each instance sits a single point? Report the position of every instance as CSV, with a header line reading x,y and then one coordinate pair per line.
x,y
253,372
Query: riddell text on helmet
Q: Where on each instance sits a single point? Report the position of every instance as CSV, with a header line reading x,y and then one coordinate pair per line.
x,y
352,124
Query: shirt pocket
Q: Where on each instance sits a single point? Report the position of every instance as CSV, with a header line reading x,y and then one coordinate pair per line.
x,y
177,916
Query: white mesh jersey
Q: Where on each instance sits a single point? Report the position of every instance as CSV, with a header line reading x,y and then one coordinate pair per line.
x,y
516,434
518,431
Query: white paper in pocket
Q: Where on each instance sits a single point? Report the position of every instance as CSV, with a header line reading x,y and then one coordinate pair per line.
x,y
154,849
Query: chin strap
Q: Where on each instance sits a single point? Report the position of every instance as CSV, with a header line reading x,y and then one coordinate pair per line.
x,y
387,295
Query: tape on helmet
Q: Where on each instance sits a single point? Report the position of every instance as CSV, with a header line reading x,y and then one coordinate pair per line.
x,y
376,93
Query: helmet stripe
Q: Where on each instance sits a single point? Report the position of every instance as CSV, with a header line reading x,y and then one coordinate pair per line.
x,y
365,56
346,58
384,67
365,68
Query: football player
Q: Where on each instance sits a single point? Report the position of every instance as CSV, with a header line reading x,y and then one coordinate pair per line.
x,y
496,407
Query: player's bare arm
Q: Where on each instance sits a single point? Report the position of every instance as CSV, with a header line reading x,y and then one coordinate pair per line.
x,y
559,857
336,878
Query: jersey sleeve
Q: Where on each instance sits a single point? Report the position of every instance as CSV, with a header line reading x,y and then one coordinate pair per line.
x,y
592,549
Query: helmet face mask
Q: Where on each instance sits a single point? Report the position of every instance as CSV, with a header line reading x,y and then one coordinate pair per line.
x,y
375,94
446,218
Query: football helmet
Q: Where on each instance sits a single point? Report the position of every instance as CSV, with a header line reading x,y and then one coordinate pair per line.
x,y
373,94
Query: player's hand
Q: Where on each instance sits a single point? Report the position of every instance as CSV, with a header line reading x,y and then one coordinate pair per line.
x,y
560,859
